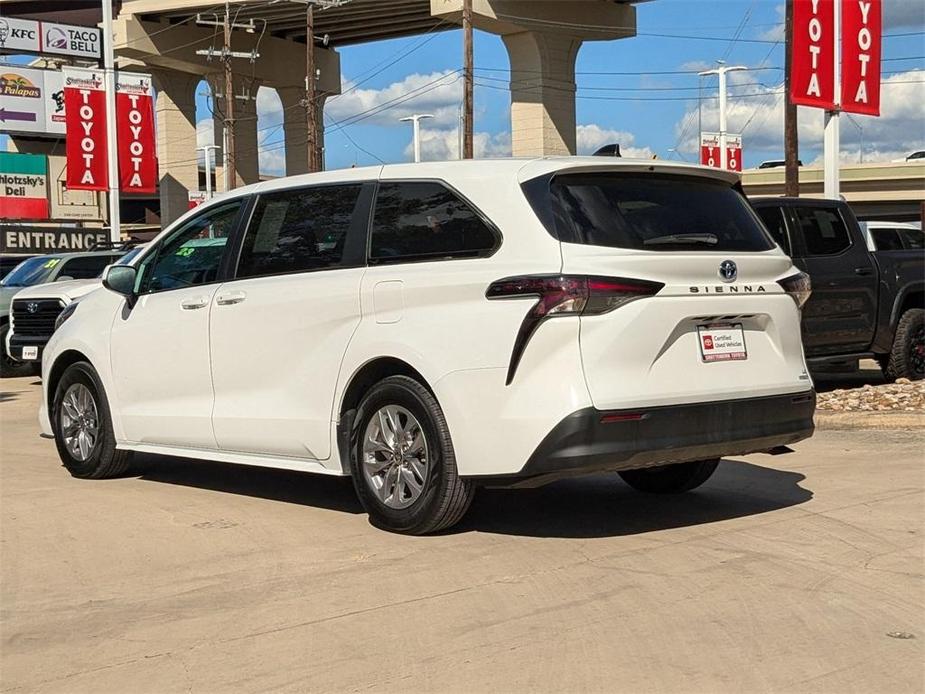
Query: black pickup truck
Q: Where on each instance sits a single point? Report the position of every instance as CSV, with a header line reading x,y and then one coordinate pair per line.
x,y
864,303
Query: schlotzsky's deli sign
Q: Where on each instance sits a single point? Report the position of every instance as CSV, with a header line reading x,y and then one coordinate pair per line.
x,y
23,186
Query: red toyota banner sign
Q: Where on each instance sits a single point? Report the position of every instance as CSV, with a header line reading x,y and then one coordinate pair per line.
x,y
709,150
812,72
85,121
734,152
860,56
135,128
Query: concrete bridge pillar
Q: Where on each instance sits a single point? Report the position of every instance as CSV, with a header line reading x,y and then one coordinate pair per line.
x,y
247,158
542,92
178,166
295,127
542,40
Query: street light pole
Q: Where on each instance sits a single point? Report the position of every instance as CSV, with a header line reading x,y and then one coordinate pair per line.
x,y
112,161
416,131
721,72
207,149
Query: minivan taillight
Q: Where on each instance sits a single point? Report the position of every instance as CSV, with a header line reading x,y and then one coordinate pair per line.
x,y
565,295
798,286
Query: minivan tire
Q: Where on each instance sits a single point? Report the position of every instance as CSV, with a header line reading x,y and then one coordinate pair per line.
x,y
670,479
444,496
102,460
907,358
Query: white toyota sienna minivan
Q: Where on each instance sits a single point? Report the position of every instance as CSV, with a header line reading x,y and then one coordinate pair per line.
x,y
427,328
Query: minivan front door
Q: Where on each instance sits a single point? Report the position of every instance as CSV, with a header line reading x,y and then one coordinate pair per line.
x,y
279,330
159,348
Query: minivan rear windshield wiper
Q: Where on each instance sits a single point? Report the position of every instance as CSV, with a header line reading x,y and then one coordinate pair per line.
x,y
707,239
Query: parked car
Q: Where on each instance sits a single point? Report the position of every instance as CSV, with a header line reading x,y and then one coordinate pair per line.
x,y
40,270
35,312
434,346
893,236
864,303
10,261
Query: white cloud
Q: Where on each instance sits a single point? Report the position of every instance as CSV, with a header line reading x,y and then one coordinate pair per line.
x,y
592,137
272,161
438,93
439,144
900,127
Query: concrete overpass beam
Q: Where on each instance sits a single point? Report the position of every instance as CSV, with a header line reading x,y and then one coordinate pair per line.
x,y
542,40
295,129
175,111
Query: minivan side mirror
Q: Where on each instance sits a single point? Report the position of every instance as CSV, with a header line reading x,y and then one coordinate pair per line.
x,y
121,280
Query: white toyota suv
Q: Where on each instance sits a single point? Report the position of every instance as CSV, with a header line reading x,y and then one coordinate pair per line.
x,y
426,328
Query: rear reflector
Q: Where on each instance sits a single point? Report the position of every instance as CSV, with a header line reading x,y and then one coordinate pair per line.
x,y
621,417
565,295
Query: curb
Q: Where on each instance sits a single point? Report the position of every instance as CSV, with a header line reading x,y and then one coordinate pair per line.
x,y
827,419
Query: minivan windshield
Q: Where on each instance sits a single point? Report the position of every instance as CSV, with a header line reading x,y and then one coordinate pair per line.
x,y
655,212
31,271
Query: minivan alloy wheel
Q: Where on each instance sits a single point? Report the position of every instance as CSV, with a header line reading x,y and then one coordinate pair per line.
x,y
395,456
80,424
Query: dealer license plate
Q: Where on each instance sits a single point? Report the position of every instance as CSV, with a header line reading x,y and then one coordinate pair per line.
x,y
722,342
30,353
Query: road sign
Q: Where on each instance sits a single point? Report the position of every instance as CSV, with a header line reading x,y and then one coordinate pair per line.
x,y
23,186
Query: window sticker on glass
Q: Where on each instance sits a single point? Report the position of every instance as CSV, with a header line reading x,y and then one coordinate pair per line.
x,y
185,251
51,263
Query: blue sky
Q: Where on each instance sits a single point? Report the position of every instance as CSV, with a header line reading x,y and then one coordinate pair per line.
x,y
647,113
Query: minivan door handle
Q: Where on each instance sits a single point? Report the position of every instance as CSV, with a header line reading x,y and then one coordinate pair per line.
x,y
230,298
194,303
863,271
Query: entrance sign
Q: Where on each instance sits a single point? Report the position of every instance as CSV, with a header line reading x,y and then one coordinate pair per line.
x,y
85,108
812,73
860,51
23,186
135,131
41,240
709,150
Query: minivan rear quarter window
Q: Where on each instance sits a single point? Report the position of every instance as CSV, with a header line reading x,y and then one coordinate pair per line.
x,y
654,212
426,221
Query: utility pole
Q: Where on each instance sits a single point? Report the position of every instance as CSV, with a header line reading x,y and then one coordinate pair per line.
x,y
231,155
112,153
467,79
228,119
311,94
791,137
416,131
207,150
721,72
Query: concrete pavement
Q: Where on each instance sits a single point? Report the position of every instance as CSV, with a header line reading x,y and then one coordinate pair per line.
x,y
782,574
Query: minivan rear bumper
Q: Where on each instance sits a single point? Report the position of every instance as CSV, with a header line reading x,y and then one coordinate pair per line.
x,y
592,440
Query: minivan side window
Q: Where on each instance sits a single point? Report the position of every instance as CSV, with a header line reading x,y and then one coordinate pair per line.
x,y
823,230
192,254
773,218
298,230
426,221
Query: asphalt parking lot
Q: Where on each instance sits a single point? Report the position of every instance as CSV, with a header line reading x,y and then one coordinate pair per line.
x,y
791,573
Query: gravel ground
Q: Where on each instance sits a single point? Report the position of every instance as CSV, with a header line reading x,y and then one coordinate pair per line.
x,y
901,396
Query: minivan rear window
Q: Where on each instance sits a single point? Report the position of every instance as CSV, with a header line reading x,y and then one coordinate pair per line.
x,y
654,212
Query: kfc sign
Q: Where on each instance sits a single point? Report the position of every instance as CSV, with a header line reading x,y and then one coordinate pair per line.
x,y
860,51
812,73
85,111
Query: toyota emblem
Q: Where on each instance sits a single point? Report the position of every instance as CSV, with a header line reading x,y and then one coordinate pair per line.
x,y
728,271
32,307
